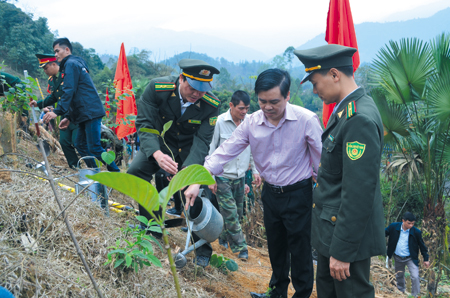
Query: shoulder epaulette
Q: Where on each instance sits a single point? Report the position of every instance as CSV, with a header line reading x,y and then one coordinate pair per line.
x,y
211,100
351,109
164,86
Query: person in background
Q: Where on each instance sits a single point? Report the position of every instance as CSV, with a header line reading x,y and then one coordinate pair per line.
x,y
67,137
404,243
285,144
79,103
229,187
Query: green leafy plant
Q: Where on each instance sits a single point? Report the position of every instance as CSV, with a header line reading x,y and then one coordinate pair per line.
x,y
223,263
413,98
111,108
135,255
16,98
109,157
148,197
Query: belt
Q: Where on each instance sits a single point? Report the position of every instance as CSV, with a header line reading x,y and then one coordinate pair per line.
x,y
403,258
282,189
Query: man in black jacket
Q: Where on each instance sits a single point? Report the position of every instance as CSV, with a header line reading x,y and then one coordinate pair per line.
x,y
80,103
404,243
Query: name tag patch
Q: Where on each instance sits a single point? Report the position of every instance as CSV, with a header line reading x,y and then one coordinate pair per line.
x,y
194,121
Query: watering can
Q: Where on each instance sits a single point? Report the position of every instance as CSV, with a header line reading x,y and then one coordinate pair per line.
x,y
97,191
207,223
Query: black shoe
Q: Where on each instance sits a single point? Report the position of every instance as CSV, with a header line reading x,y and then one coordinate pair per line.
x,y
223,243
174,212
201,261
243,255
184,229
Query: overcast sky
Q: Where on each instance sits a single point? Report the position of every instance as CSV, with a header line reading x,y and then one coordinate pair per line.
x,y
266,26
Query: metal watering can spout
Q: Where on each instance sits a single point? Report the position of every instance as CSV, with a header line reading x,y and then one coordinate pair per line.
x,y
207,223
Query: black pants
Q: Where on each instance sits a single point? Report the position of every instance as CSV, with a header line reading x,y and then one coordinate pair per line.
x,y
356,286
144,168
287,219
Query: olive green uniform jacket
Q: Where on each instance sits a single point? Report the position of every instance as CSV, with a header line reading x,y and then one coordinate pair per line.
x,y
190,134
55,89
347,217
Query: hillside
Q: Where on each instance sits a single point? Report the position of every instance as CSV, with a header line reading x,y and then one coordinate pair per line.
x,y
373,36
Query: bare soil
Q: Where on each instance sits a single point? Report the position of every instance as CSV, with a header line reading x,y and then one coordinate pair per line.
x,y
54,270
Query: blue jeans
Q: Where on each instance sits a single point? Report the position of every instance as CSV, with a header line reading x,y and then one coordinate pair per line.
x,y
88,143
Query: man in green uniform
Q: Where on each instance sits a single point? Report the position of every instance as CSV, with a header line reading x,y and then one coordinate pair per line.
x,y
347,217
67,136
186,100
7,79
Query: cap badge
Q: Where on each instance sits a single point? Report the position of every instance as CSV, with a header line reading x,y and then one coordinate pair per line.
x,y
205,72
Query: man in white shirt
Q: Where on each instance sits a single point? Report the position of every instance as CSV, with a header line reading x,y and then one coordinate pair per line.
x,y
229,187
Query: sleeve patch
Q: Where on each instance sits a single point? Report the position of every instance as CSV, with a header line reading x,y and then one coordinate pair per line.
x,y
355,150
213,121
211,100
159,86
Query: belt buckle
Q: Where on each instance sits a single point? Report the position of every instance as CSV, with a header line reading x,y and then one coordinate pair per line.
x,y
277,189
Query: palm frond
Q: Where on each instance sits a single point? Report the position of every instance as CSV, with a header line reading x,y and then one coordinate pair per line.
x,y
394,117
439,92
402,69
440,49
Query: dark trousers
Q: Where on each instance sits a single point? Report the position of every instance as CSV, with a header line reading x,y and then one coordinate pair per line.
x,y
356,286
145,168
287,219
88,143
67,139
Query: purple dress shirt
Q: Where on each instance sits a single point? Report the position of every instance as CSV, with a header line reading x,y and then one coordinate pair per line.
x,y
283,155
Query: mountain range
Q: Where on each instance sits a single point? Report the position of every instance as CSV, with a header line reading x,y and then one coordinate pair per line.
x,y
372,37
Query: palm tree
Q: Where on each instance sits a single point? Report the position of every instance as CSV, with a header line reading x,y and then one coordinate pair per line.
x,y
413,97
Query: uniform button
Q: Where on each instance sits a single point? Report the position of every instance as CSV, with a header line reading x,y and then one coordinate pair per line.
x,y
333,219
164,117
179,150
178,123
57,90
317,184
320,164
314,205
59,97
178,133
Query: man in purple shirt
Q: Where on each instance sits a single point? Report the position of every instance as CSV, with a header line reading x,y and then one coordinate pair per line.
x,y
286,145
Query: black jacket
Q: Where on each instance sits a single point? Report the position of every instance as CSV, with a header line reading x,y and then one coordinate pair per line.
x,y
415,242
80,100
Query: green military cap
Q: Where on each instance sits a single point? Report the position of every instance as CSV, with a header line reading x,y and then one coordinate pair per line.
x,y
198,73
45,58
325,57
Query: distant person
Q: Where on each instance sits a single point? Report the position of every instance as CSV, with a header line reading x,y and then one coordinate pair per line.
x,y
79,103
67,137
7,79
187,101
230,186
347,216
285,144
404,243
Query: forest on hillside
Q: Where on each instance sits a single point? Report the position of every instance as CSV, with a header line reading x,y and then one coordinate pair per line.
x,y
22,36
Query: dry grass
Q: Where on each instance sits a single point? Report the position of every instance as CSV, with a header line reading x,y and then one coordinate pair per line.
x,y
52,268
